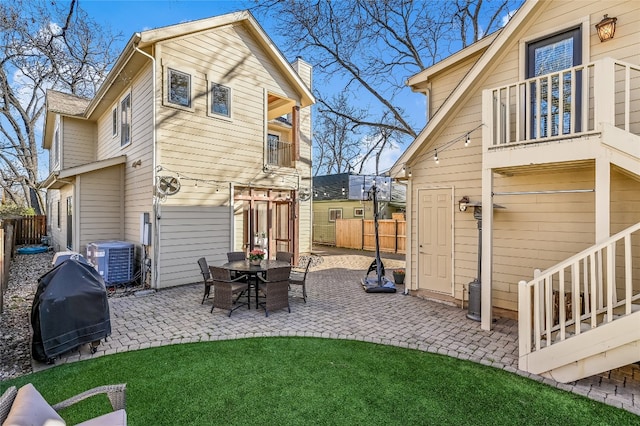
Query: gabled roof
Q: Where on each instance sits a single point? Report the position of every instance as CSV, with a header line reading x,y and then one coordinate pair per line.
x,y
419,79
65,103
132,58
145,39
464,88
331,187
56,180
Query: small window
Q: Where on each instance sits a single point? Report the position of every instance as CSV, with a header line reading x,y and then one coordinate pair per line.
x,y
335,214
114,121
179,88
220,100
125,120
58,214
56,148
358,211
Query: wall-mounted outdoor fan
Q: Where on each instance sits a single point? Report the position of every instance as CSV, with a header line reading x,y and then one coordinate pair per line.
x,y
168,185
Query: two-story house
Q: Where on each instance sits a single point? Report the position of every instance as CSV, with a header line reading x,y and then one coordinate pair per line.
x,y
198,139
533,146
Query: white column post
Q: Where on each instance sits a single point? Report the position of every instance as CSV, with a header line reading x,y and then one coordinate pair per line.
x,y
603,199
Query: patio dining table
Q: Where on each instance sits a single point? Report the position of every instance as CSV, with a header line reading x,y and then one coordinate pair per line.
x,y
246,267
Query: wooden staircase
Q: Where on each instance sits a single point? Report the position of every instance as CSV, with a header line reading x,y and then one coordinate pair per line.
x,y
598,288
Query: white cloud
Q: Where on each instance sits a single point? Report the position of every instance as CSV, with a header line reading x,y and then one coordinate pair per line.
x,y
387,159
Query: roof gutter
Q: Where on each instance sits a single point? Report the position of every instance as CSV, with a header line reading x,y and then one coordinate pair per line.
x,y
122,60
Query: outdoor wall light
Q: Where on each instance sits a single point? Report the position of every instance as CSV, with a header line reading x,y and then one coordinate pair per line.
x,y
463,203
606,28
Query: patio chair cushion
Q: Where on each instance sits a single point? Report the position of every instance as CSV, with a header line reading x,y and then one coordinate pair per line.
x,y
115,418
30,408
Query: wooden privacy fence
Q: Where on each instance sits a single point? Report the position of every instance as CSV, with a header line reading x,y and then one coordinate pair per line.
x,y
4,269
30,229
360,234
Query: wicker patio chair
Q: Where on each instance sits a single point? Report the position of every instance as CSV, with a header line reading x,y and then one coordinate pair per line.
x,y
206,277
227,290
284,256
275,287
27,406
298,277
116,394
233,256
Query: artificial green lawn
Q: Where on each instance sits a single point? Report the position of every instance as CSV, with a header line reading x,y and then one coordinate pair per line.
x,y
303,381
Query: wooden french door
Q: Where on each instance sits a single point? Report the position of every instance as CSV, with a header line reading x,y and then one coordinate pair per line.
x,y
268,219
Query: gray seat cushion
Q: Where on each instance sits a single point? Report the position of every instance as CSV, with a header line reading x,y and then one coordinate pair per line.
x,y
30,408
115,418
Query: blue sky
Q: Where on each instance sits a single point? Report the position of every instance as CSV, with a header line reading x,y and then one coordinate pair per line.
x,y
129,17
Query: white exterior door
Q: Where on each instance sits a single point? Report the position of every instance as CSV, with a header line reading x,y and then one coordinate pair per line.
x,y
434,240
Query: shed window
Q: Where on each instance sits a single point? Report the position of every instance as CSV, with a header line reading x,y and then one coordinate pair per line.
x,y
220,100
335,214
179,88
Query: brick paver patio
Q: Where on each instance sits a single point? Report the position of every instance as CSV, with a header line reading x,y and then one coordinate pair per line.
x,y
337,307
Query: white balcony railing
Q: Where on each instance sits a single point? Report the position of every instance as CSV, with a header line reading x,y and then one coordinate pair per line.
x,y
564,104
592,288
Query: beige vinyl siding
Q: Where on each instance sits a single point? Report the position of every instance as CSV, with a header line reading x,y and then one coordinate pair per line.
x,y
442,86
57,233
77,138
101,206
188,233
190,142
137,186
138,189
534,231
625,200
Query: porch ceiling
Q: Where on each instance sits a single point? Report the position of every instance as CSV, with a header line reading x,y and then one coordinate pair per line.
x,y
532,169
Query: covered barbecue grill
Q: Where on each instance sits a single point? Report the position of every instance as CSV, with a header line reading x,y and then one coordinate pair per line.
x,y
70,309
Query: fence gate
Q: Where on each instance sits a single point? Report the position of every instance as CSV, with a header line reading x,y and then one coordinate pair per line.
x,y
30,229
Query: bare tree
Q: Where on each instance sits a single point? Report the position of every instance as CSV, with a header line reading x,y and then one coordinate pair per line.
x,y
366,49
336,146
43,45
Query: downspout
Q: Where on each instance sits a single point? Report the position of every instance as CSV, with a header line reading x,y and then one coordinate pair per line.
x,y
155,213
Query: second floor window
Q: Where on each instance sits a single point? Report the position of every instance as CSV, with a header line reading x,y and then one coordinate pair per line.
x,y
56,148
114,121
125,120
220,100
179,88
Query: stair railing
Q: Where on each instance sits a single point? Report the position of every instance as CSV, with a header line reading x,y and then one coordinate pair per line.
x,y
595,286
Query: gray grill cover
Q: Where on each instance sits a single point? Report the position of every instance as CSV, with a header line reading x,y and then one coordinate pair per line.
x,y
70,308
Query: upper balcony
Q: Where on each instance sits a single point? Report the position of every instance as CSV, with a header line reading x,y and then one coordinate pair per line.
x,y
579,105
279,153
